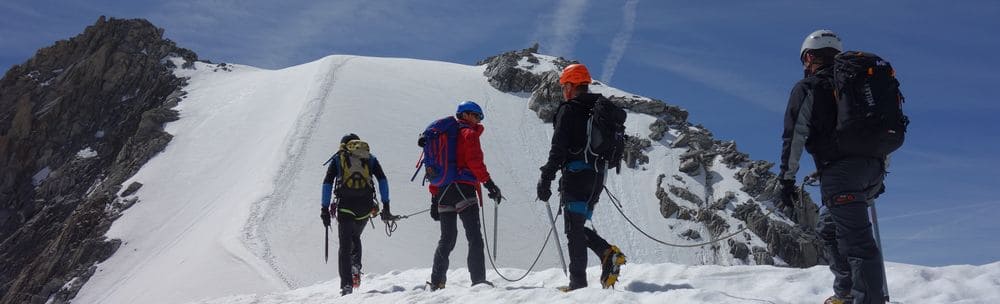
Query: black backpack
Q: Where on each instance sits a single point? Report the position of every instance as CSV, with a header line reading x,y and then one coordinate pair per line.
x,y
870,120
606,133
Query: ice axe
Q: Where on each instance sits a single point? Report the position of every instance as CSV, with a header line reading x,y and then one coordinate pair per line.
x,y
326,251
878,241
555,233
496,212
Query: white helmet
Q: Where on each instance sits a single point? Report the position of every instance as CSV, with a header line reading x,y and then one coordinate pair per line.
x,y
821,39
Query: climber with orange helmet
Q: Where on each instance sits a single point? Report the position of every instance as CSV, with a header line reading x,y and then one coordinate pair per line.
x,y
582,179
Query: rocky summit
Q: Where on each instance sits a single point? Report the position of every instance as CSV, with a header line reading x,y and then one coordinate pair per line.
x,y
76,120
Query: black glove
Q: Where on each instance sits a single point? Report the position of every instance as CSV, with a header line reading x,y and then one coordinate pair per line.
x,y
386,214
548,173
544,189
325,216
788,194
434,212
494,191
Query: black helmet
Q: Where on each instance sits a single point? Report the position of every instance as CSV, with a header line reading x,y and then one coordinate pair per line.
x,y
349,137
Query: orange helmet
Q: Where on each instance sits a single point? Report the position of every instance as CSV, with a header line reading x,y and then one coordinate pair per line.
x,y
575,74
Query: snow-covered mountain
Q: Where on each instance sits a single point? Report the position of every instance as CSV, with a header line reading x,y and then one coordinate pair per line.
x,y
231,202
228,208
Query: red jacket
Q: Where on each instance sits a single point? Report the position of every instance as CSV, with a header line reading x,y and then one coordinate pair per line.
x,y
470,155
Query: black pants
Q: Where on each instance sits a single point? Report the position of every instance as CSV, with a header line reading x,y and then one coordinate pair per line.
x,y
349,255
856,262
459,201
579,192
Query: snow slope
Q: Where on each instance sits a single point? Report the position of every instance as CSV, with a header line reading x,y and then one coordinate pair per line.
x,y
656,283
230,206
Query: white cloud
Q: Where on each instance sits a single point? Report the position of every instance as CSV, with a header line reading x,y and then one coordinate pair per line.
x,y
721,79
565,27
621,41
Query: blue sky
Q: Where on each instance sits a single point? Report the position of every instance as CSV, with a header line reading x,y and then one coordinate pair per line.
x,y
730,63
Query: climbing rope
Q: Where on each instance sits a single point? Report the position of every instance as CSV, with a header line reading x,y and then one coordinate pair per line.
x,y
390,225
617,204
533,263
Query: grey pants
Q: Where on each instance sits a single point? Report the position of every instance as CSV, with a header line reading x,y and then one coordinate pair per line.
x,y
459,203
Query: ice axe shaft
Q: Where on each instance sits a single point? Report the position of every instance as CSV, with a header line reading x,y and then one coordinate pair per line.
x,y
326,250
878,241
496,211
555,233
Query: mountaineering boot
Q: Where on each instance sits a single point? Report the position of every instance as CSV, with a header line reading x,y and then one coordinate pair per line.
x,y
835,299
346,290
611,263
435,287
568,288
484,282
355,277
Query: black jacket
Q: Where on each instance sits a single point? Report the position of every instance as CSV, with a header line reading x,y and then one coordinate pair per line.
x,y
810,123
570,137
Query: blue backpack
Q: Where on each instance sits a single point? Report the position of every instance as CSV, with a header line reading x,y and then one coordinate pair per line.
x,y
439,158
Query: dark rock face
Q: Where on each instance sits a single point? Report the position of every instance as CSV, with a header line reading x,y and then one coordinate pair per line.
x,y
546,97
634,148
691,235
739,250
686,194
717,226
76,121
799,246
505,75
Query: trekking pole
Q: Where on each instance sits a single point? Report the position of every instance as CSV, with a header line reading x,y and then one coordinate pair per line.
x,y
326,251
878,241
555,233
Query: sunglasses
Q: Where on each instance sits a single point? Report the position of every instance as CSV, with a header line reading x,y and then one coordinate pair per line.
x,y
478,115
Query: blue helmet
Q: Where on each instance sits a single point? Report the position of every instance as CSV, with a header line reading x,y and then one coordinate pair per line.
x,y
470,106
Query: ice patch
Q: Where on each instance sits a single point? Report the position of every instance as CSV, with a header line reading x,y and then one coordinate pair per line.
x,y
86,153
40,177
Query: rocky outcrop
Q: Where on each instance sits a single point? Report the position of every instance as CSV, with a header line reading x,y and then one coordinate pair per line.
x,y
798,246
739,250
76,121
635,148
506,72
546,97
758,181
686,195
691,235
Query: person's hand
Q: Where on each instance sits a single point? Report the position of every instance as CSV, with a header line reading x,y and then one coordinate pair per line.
x,y
788,194
544,190
494,191
325,216
386,214
434,212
